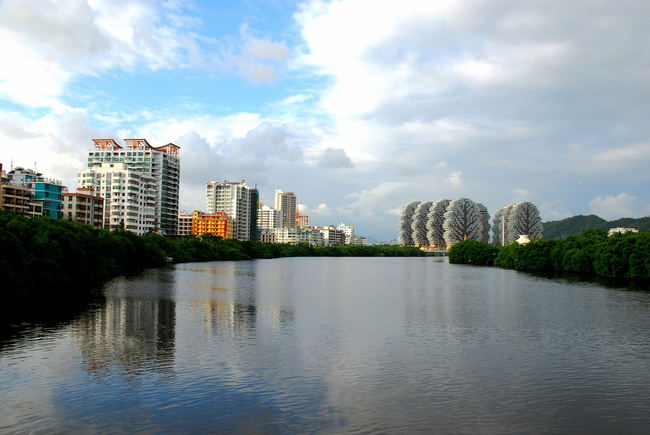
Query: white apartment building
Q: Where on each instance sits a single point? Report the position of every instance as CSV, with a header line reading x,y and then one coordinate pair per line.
x,y
160,164
130,196
348,230
237,200
292,236
331,235
269,217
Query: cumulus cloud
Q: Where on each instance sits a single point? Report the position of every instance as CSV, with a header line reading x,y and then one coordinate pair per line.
x,y
375,202
454,178
480,65
335,158
504,100
57,144
49,44
321,210
614,207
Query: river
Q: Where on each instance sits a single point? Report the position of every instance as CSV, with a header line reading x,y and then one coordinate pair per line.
x,y
335,345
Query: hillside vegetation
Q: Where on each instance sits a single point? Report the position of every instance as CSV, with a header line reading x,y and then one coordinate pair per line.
x,y
575,225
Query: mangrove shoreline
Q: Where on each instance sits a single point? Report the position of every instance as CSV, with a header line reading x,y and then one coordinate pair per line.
x,y
593,253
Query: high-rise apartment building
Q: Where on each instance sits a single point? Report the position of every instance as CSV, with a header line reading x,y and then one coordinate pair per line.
x,y
129,196
254,207
238,201
286,201
152,197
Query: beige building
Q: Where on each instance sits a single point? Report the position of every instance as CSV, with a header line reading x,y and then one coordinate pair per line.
x,y
84,206
184,224
286,202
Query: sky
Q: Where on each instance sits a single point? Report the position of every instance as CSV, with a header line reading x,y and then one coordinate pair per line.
x,y
359,107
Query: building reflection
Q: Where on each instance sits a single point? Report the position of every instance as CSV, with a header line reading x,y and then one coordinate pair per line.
x,y
229,301
230,319
134,335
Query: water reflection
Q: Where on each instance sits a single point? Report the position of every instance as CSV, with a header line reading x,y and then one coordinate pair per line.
x,y
328,345
134,332
227,296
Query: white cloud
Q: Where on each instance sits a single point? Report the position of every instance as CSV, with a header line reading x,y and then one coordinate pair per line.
x,y
504,100
335,158
454,178
553,211
615,207
322,210
260,58
298,98
374,203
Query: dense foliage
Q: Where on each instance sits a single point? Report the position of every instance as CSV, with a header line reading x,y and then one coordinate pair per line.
x,y
593,252
575,225
473,252
44,256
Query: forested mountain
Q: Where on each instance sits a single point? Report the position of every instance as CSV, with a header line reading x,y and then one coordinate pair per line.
x,y
573,226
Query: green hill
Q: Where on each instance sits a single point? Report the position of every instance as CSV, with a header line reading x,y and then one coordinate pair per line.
x,y
573,226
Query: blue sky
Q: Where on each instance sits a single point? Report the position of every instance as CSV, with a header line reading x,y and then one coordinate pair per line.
x,y
359,107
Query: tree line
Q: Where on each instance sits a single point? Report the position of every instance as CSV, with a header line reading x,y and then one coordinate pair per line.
x,y
41,257
593,252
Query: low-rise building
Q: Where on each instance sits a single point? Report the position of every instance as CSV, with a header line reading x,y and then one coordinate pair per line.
x,y
216,224
621,230
46,191
291,236
359,240
18,199
303,220
331,235
84,206
185,224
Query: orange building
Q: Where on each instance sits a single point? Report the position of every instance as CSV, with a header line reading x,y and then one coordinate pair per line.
x,y
217,224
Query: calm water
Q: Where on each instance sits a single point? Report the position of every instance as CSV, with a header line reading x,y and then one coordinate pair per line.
x,y
335,345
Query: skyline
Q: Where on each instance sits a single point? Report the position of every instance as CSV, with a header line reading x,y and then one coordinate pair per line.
x,y
357,107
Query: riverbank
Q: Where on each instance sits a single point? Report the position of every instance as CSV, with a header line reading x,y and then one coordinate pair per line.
x,y
592,253
45,257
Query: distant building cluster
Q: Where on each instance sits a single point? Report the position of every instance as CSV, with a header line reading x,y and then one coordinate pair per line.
x,y
443,223
136,187
235,210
